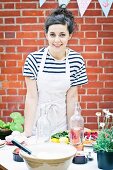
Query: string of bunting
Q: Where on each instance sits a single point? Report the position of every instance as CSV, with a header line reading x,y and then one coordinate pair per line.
x,y
83,5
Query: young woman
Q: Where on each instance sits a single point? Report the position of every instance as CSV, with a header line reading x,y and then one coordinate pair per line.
x,y
52,74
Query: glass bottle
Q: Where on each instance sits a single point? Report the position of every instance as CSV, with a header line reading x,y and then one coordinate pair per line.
x,y
76,131
43,126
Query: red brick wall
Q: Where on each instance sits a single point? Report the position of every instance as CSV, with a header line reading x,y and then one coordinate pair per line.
x,y
21,32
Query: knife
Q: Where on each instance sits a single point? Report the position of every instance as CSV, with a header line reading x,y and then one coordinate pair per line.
x,y
16,143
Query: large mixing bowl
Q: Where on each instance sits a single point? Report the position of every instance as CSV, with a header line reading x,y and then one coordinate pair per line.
x,y
49,156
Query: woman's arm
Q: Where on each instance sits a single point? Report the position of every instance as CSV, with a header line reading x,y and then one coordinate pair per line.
x,y
72,98
30,105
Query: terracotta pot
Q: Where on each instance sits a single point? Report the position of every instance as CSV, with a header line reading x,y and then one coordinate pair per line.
x,y
105,160
4,133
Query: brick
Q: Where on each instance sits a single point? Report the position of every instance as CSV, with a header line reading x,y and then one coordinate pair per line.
x,y
109,84
12,106
26,49
9,13
10,42
11,71
108,55
9,20
90,48
92,91
92,63
108,70
89,20
90,27
93,12
94,70
106,91
93,84
10,28
3,106
11,64
12,56
90,41
106,104
12,77
26,20
105,34
12,84
32,27
91,98
105,20
12,92
91,34
9,6
108,97
92,55
91,105
32,13
9,34
107,41
33,42
13,99
91,119
25,5
106,77
106,63
92,77
2,92
105,48
91,126
10,49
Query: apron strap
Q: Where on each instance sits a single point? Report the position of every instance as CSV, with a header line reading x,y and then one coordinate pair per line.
x,y
44,59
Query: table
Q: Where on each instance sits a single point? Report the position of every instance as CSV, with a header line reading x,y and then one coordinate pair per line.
x,y
7,162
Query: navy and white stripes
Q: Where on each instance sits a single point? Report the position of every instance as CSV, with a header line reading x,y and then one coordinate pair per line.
x,y
78,74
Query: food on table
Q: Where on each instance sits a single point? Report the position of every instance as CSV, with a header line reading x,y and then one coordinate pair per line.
x,y
90,137
60,137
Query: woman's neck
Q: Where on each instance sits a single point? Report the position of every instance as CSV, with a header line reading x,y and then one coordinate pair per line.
x,y
58,55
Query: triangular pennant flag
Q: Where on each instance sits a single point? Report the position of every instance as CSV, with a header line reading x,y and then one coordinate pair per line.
x,y
41,2
83,5
105,5
65,2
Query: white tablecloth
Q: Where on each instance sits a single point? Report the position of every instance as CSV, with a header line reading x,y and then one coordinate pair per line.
x,y
6,160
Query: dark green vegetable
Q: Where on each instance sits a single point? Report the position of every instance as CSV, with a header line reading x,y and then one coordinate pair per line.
x,y
60,134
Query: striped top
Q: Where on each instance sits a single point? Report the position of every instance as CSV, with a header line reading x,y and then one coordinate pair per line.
x,y
78,74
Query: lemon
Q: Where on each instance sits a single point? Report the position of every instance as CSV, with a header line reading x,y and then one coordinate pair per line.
x,y
64,140
55,140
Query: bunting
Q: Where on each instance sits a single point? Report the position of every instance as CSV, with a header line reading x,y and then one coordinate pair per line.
x,y
41,2
105,5
83,5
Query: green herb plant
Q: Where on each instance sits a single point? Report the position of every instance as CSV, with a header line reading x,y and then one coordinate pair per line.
x,y
16,124
104,141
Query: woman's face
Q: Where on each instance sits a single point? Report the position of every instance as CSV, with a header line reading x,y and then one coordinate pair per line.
x,y
58,37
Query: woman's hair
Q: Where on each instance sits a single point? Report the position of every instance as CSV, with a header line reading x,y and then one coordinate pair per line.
x,y
60,16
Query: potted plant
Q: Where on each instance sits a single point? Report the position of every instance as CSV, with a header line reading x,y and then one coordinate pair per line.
x,y
104,142
16,124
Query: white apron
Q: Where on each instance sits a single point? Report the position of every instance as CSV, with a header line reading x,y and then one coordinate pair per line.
x,y
52,89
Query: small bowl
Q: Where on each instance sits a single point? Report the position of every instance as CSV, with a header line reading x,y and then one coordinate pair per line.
x,y
49,156
4,133
80,158
16,156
